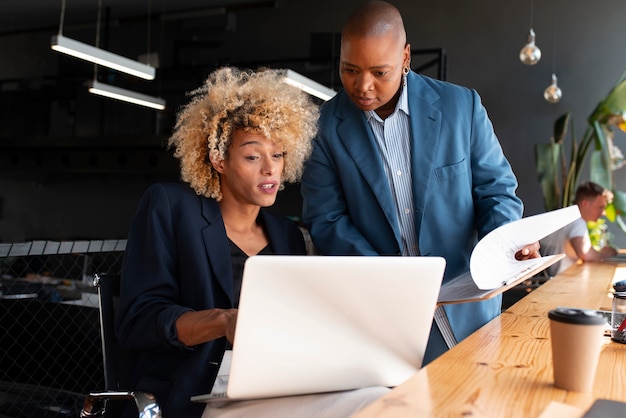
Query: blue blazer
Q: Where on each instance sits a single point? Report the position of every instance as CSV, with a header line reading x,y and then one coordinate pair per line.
x,y
463,187
177,259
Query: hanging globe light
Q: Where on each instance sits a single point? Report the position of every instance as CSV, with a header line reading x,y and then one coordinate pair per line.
x,y
553,93
530,53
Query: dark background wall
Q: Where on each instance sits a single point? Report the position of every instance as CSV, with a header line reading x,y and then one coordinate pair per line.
x,y
73,165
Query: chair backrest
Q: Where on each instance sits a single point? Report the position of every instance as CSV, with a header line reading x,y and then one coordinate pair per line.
x,y
117,362
108,292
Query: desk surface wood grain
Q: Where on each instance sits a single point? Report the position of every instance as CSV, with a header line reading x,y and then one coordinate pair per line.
x,y
505,368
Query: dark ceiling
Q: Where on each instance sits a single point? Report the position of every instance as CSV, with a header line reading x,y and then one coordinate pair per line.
x,y
51,126
21,16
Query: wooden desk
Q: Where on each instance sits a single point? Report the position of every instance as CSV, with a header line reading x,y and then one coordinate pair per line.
x,y
505,368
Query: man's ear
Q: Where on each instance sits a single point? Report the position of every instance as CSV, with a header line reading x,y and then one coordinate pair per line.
x,y
406,56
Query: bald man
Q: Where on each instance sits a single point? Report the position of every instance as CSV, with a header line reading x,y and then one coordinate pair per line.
x,y
406,165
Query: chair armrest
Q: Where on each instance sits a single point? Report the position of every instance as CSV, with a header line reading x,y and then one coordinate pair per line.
x,y
95,403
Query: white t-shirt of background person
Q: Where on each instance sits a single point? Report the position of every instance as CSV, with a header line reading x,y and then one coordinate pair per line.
x,y
559,242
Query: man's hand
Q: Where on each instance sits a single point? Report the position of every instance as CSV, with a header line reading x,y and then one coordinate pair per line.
x,y
607,252
529,251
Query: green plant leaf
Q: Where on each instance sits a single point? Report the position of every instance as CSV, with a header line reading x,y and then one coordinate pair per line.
x,y
613,103
598,172
600,159
547,160
560,127
619,201
620,222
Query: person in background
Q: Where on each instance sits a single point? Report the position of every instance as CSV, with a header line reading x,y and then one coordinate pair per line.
x,y
406,165
573,240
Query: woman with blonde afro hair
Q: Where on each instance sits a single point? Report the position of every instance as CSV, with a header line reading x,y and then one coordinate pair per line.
x,y
241,136
233,99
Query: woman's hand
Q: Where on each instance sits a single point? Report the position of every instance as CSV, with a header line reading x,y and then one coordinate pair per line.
x,y
197,327
529,251
231,324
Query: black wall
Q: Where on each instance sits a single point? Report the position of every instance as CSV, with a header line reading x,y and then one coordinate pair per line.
x,y
73,165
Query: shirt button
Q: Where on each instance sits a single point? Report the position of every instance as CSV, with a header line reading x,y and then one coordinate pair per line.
x,y
407,210
399,173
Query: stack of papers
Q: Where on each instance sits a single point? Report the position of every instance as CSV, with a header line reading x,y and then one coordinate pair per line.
x,y
493,266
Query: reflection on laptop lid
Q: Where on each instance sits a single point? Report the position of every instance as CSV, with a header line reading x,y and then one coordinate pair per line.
x,y
310,324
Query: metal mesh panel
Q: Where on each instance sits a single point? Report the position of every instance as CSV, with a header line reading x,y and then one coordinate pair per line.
x,y
50,347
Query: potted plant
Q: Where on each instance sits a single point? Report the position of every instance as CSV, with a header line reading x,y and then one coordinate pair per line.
x,y
559,176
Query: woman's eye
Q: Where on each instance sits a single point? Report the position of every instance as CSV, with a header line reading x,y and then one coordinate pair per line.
x,y
279,155
252,157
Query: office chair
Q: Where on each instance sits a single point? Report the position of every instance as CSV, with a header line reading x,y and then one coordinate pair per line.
x,y
110,402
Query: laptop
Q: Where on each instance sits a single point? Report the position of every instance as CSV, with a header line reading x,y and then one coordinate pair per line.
x,y
313,324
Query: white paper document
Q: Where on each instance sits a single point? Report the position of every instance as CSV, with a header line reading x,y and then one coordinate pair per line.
x,y
493,267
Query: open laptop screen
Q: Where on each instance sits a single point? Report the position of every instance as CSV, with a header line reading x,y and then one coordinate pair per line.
x,y
310,324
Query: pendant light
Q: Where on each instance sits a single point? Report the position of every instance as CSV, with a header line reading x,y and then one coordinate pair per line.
x,y
118,93
553,93
530,53
65,45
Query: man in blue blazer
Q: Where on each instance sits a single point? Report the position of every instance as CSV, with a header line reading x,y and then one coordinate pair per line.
x,y
406,165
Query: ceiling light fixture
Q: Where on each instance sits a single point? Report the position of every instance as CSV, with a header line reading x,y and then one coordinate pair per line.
x,y
530,53
553,93
130,96
96,55
306,84
99,56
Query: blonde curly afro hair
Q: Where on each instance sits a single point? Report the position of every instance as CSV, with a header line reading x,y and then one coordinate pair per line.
x,y
233,99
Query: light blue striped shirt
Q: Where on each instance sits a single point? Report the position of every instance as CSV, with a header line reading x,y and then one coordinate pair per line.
x,y
392,136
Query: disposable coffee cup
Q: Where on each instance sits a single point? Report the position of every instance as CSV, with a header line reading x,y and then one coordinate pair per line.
x,y
576,336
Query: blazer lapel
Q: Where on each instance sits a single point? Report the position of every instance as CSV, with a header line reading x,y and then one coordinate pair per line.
x,y
425,124
358,139
216,246
276,233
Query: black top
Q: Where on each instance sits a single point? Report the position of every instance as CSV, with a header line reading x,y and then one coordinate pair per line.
x,y
238,258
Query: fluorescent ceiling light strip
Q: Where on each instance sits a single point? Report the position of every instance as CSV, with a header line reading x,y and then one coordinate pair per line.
x,y
312,87
126,95
101,57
